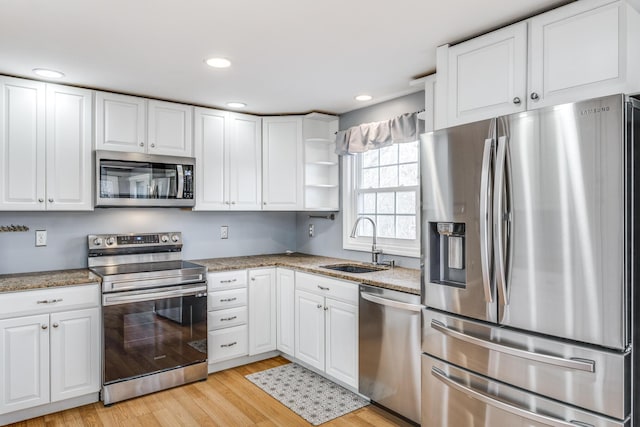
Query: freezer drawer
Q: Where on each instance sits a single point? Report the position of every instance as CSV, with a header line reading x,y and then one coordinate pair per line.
x,y
455,397
587,377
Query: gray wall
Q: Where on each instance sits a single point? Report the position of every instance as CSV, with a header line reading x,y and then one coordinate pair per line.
x,y
250,233
328,234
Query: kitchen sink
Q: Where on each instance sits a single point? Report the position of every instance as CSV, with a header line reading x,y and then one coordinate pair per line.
x,y
353,268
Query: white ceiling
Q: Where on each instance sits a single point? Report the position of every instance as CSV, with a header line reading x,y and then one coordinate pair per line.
x,y
289,56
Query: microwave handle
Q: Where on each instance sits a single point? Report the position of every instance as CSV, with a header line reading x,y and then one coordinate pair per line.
x,y
180,182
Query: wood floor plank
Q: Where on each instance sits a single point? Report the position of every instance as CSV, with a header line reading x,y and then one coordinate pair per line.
x,y
227,398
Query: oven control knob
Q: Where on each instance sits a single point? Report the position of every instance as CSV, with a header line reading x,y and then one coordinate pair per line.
x,y
110,241
97,241
175,238
164,238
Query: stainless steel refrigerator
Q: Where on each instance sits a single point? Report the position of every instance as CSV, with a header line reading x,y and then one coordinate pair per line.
x,y
529,242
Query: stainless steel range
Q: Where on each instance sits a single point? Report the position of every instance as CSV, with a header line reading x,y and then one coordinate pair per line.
x,y
154,313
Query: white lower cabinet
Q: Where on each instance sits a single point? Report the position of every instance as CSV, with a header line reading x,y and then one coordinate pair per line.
x,y
285,311
227,336
326,327
53,355
262,310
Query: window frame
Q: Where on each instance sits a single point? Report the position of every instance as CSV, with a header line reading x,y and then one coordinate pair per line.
x,y
402,247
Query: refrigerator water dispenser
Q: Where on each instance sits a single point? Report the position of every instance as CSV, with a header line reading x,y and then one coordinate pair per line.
x,y
447,261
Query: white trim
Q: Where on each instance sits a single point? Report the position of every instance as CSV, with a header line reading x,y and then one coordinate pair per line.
x,y
388,246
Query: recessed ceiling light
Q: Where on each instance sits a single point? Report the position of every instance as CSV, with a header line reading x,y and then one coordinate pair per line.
x,y
364,98
218,62
236,104
50,74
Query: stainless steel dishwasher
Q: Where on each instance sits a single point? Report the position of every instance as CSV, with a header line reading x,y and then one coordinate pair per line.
x,y
389,350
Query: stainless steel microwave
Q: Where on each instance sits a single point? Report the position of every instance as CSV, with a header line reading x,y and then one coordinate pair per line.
x,y
144,180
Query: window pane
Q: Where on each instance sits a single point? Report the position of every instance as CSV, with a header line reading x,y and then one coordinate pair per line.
x,y
409,174
406,226
408,152
389,155
389,176
406,202
367,203
370,178
369,158
386,226
386,203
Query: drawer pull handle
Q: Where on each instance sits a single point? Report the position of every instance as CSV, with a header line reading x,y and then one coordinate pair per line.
x,y
228,281
228,299
323,288
49,301
228,345
226,319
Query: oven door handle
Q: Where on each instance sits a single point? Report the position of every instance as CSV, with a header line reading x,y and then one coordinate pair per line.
x,y
127,297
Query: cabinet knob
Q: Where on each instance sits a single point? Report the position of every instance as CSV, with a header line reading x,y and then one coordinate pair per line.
x,y
253,278
534,96
153,145
142,144
233,203
319,305
44,327
40,200
226,203
517,100
264,203
326,308
51,200
55,325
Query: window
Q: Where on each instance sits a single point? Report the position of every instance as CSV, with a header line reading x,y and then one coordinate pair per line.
x,y
384,185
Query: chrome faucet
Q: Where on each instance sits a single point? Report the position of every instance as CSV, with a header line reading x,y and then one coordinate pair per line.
x,y
375,252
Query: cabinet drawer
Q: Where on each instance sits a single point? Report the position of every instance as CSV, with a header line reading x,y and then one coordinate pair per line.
x,y
227,279
326,286
228,343
220,300
220,319
49,300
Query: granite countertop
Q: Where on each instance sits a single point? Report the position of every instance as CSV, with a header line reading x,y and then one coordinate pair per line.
x,y
46,279
398,278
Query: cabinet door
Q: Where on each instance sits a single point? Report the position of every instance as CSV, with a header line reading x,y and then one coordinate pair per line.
x,y
120,122
24,362
342,341
245,162
309,342
282,163
285,295
169,128
487,75
211,159
262,310
75,353
22,144
566,66
68,157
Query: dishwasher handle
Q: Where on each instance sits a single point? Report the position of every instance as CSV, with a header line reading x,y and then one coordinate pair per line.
x,y
390,302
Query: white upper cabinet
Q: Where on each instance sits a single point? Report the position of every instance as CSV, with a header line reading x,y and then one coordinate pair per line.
x,y
583,50
133,124
120,122
228,160
282,163
487,75
45,146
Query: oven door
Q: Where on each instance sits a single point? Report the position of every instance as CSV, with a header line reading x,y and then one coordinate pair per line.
x,y
151,331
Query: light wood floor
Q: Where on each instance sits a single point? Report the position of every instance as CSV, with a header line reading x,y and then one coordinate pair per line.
x,y
225,399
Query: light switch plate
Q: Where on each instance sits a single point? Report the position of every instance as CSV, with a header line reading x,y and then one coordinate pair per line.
x,y
41,237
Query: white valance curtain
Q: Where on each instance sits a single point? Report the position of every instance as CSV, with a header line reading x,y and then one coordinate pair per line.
x,y
371,136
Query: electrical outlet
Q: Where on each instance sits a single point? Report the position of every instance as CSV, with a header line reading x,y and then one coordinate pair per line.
x,y
224,232
312,230
41,237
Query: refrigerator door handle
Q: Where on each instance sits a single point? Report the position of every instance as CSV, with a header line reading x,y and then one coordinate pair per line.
x,y
485,219
490,400
391,303
499,217
577,364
